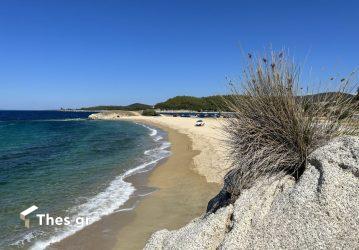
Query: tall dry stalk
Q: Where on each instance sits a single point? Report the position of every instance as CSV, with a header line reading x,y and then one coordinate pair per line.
x,y
275,127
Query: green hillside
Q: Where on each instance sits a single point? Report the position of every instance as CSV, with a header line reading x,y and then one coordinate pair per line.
x,y
210,103
132,107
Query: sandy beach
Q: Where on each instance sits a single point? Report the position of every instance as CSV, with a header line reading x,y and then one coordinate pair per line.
x,y
182,194
212,160
181,187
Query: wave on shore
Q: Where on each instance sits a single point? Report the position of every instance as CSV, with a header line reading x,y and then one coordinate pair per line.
x,y
108,201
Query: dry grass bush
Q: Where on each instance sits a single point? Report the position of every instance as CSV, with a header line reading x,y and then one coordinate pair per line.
x,y
275,126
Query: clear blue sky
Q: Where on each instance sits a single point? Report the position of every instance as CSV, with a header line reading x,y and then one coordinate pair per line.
x,y
77,53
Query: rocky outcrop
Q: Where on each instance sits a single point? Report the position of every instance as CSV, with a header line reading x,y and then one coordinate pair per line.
x,y
318,211
112,115
201,233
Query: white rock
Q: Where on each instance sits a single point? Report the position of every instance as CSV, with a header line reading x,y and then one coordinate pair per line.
x,y
319,211
202,233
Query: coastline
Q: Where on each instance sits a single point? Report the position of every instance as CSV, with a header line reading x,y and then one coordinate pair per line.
x,y
212,161
181,195
173,204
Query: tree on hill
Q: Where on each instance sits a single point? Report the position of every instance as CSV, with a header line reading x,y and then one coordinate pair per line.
x,y
210,103
181,102
131,107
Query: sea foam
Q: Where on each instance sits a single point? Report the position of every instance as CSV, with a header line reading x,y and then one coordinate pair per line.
x,y
115,195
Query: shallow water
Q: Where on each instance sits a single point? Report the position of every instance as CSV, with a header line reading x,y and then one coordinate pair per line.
x,y
67,166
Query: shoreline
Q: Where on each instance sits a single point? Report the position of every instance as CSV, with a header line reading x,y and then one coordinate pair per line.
x,y
136,178
212,161
182,194
131,220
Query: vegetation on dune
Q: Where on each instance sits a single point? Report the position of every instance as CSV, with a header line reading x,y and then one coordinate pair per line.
x,y
149,112
132,107
273,130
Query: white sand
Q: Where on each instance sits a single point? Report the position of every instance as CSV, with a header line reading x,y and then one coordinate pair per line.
x,y
212,161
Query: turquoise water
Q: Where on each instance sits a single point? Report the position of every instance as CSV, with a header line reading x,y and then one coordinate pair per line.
x,y
68,167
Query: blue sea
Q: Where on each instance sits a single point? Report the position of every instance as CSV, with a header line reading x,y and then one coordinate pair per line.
x,y
70,166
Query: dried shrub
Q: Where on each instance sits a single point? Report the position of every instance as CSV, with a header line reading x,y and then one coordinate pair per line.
x,y
275,127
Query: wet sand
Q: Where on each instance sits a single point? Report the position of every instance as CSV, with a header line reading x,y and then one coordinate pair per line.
x,y
183,195
169,196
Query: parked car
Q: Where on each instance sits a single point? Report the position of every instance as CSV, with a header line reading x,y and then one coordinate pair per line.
x,y
199,123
